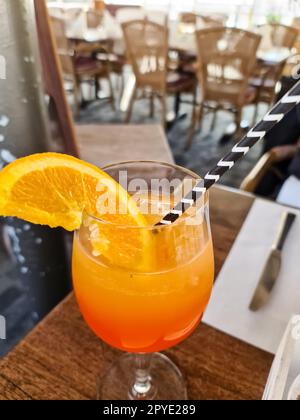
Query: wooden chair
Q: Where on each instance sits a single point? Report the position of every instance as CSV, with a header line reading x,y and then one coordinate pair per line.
x,y
282,36
78,68
266,164
116,61
293,64
60,116
268,75
296,25
66,55
190,22
147,49
226,61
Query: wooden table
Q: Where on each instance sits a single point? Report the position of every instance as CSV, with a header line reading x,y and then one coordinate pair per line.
x,y
103,145
60,359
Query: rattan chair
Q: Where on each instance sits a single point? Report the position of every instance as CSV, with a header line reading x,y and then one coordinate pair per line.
x,y
190,22
296,25
282,36
226,62
268,163
147,48
79,68
268,75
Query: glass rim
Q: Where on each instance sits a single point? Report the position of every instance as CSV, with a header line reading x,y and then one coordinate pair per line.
x,y
153,227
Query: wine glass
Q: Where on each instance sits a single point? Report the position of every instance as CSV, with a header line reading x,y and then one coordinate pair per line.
x,y
147,305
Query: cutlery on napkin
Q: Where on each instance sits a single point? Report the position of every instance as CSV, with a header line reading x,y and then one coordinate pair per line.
x,y
272,267
228,310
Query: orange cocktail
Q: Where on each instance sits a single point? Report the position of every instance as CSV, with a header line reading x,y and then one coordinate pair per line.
x,y
138,311
142,287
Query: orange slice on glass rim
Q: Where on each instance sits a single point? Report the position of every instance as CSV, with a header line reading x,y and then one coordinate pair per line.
x,y
55,190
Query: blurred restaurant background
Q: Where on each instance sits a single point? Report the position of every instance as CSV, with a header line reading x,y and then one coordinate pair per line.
x,y
131,79
79,25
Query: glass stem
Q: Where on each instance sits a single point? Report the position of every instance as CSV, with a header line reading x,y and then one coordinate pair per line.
x,y
142,388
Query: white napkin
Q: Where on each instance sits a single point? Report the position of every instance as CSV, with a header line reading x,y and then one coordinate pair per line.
x,y
290,192
266,42
77,27
228,310
112,26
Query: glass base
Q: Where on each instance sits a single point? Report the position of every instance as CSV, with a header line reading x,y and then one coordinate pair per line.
x,y
164,380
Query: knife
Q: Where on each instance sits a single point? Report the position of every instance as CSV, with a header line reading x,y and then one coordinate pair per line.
x,y
273,265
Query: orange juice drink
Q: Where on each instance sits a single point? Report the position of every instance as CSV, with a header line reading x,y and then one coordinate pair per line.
x,y
139,310
142,283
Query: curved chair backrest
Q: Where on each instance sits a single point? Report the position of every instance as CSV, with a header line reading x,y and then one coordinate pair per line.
x,y
227,58
147,48
282,36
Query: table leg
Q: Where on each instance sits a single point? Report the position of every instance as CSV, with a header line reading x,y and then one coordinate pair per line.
x,y
233,130
174,116
128,93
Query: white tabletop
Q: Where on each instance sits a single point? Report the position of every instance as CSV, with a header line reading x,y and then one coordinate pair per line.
x,y
228,310
274,55
182,37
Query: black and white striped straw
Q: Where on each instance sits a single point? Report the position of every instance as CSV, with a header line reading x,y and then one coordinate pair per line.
x,y
272,118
